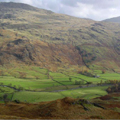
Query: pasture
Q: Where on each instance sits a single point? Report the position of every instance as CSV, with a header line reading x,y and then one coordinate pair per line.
x,y
49,85
87,93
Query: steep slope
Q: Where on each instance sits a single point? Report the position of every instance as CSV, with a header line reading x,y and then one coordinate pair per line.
x,y
57,40
66,108
20,49
115,19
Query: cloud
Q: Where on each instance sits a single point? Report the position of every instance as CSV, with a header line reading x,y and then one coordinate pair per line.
x,y
93,9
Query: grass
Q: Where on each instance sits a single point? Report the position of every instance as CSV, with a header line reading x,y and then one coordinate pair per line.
x,y
87,93
57,75
6,90
60,78
36,96
61,82
28,83
109,76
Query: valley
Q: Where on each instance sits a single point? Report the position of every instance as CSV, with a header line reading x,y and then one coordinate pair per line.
x,y
43,84
46,57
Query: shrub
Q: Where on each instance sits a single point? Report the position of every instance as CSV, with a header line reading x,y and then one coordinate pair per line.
x,y
22,75
103,71
16,101
36,77
10,85
70,79
1,84
1,73
89,82
78,82
109,90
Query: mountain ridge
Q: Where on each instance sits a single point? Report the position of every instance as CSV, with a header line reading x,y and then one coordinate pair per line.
x,y
114,19
17,5
96,42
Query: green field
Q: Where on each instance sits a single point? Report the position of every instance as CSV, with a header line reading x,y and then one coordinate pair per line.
x,y
87,93
49,85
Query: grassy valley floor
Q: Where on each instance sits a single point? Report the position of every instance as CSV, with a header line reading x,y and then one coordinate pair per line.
x,y
42,85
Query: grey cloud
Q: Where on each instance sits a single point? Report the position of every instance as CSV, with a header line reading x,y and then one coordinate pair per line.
x,y
72,3
95,3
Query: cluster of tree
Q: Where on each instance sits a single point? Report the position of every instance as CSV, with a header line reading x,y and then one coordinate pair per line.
x,y
79,82
86,73
5,98
113,82
115,88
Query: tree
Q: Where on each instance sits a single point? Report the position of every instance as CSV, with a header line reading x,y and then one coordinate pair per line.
x,y
101,82
78,82
109,89
89,82
70,79
36,77
5,98
116,86
20,88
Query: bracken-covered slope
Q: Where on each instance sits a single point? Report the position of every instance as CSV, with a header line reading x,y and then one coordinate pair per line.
x,y
106,107
35,36
18,49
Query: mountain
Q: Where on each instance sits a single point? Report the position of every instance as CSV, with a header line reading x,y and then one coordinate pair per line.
x,y
115,19
33,36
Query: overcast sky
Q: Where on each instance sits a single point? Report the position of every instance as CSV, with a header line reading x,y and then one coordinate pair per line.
x,y
93,9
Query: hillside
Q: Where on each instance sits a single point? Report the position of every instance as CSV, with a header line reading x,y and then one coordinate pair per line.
x,y
115,19
19,49
55,66
66,108
35,36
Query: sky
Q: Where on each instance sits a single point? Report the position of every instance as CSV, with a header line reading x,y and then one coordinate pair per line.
x,y
92,9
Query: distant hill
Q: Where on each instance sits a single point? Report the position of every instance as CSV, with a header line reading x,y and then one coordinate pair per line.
x,y
41,37
115,19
